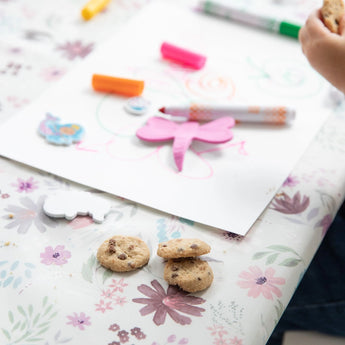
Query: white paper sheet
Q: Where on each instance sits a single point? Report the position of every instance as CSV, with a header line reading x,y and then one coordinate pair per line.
x,y
225,186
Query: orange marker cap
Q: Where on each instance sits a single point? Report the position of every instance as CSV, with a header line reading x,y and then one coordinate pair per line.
x,y
93,7
126,87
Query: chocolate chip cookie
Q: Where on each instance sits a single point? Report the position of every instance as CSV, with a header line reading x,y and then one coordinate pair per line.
x,y
123,253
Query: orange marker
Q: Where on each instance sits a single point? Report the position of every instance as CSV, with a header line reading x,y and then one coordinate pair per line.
x,y
93,7
125,87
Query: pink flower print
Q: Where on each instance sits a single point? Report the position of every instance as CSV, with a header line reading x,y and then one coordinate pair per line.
x,y
217,330
120,300
291,181
220,341
171,338
108,293
57,256
235,341
258,282
103,306
170,302
5,196
26,186
79,321
284,204
75,49
80,222
118,285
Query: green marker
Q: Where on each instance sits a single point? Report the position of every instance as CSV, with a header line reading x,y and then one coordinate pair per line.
x,y
224,10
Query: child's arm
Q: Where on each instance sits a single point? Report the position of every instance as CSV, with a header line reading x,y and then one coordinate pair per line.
x,y
325,50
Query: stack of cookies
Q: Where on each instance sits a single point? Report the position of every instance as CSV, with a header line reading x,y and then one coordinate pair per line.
x,y
183,267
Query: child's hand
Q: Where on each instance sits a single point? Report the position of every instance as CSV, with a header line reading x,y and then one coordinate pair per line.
x,y
325,50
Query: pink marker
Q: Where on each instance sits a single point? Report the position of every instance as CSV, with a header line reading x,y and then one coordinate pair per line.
x,y
182,56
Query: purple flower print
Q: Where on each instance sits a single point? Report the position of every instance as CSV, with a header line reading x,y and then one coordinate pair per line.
x,y
136,331
75,49
79,321
123,335
52,74
170,302
259,282
291,181
25,185
231,236
284,204
31,214
325,223
114,327
57,256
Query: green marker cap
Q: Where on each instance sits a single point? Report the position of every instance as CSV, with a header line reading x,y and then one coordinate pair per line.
x,y
289,29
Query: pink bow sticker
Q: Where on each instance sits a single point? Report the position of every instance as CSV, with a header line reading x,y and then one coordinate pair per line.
x,y
160,129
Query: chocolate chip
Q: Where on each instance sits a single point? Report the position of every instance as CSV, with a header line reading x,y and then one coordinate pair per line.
x,y
131,247
194,246
164,245
199,278
174,268
112,249
122,256
112,242
174,275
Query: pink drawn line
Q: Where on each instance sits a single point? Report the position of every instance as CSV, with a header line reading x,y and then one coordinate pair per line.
x,y
80,148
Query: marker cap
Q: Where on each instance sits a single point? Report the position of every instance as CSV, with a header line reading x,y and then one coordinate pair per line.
x,y
122,86
182,56
92,8
289,29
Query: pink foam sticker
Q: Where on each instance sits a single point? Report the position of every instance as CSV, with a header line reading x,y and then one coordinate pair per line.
x,y
182,56
159,129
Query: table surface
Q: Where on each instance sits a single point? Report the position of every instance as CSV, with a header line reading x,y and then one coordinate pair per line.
x,y
52,288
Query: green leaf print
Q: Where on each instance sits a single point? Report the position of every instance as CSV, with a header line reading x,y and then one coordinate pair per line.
x,y
29,325
290,262
88,268
270,259
10,316
279,251
259,255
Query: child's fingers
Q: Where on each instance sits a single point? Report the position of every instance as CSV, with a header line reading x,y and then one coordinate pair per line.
x,y
342,26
